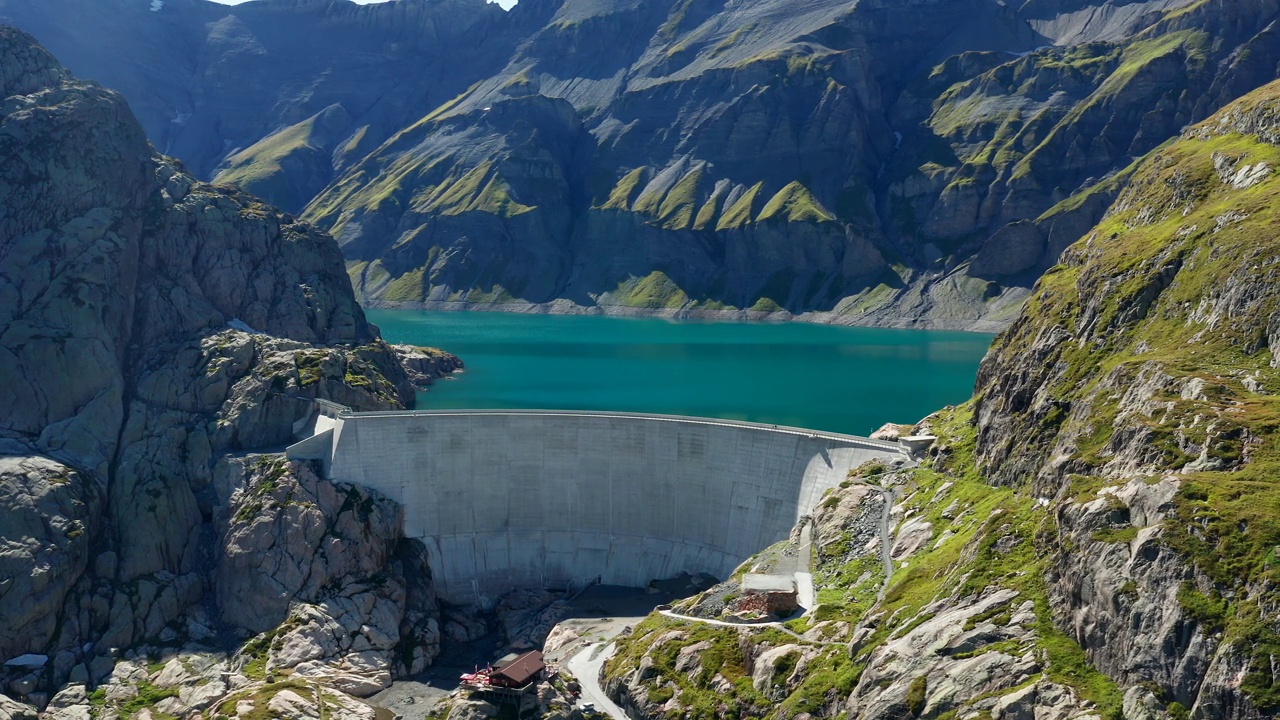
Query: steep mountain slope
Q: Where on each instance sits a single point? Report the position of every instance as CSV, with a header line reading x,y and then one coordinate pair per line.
x,y
1096,533
868,161
1049,126
209,81
1093,536
154,329
1151,353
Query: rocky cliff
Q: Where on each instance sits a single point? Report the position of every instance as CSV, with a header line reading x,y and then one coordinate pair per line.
x,y
156,333
861,161
1095,534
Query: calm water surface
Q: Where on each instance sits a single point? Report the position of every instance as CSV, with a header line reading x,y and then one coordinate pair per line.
x,y
841,379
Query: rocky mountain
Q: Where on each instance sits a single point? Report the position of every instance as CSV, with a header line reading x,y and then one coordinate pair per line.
x,y
156,334
1095,534
866,161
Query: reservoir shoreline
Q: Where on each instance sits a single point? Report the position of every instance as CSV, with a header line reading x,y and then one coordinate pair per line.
x,y
984,326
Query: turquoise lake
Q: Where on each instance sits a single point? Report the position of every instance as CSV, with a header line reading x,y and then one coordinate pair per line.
x,y
840,379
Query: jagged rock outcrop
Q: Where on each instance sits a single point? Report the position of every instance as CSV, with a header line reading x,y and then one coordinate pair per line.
x,y
871,162
425,365
877,646
48,524
1148,355
198,683
152,326
323,570
290,536
1095,534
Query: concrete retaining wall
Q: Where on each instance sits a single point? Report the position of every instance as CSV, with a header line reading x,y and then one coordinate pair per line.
x,y
556,499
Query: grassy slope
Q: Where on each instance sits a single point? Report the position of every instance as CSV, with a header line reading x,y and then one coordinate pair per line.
x,y
963,565
1182,274
260,168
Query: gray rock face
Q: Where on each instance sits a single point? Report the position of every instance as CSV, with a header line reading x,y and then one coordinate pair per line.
x,y
50,515
151,325
1127,607
324,571
290,536
1004,683
872,162
13,710
1112,404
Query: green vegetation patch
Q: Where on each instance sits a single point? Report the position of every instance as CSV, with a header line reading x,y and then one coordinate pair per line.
x,y
768,305
794,203
479,189
494,293
678,207
674,209
261,161
707,213
310,366
1193,44
724,657
917,694
623,194
147,696
261,697
655,290
409,287
828,680
739,213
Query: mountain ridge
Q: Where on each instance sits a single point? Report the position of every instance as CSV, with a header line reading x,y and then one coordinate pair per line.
x,y
1093,536
953,173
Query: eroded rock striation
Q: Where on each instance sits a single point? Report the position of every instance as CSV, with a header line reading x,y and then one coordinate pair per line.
x,y
1094,535
894,163
153,330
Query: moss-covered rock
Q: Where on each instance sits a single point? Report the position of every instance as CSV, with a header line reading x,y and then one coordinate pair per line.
x,y
1102,518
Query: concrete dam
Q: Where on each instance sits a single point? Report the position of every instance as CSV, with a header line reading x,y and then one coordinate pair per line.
x,y
552,499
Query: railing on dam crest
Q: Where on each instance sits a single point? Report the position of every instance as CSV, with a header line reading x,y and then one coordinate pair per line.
x,y
334,410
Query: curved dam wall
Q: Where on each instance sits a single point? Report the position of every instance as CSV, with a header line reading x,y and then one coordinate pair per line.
x,y
507,499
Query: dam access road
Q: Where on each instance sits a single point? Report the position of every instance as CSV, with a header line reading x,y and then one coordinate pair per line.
x,y
559,499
